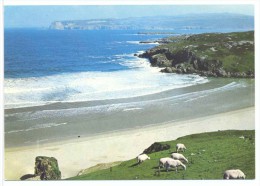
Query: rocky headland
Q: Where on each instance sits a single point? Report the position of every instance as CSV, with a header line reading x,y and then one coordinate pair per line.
x,y
156,24
209,54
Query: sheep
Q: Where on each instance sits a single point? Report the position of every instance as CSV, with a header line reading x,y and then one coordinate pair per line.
x,y
142,158
234,174
178,156
174,163
162,161
181,147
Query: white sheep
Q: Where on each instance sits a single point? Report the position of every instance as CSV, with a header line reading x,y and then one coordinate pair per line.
x,y
174,163
181,147
234,174
142,158
178,156
162,161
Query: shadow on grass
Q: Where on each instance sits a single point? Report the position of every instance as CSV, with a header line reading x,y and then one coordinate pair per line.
x,y
134,164
156,167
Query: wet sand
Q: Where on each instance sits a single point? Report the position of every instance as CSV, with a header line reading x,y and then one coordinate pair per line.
x,y
76,154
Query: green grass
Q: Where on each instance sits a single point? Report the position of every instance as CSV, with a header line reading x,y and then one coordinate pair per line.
x,y
235,50
213,152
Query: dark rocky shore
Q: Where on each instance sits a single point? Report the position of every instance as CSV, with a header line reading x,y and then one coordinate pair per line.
x,y
210,54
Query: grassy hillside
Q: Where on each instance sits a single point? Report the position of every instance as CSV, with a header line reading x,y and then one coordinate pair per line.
x,y
209,155
209,54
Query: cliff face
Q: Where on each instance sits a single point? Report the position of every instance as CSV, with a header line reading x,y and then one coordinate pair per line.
x,y
214,54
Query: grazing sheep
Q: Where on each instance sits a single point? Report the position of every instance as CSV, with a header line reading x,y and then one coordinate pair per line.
x,y
234,174
178,156
162,161
142,158
174,163
181,147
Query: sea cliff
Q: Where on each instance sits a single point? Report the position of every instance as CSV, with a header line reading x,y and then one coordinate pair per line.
x,y
209,54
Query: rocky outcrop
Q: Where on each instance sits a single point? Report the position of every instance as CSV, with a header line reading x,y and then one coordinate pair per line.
x,y
47,168
156,147
212,55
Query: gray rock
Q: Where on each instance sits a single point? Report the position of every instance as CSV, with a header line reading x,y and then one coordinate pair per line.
x,y
167,70
47,168
156,147
221,72
160,60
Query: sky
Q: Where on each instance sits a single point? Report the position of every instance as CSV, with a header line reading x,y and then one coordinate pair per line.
x,y
42,16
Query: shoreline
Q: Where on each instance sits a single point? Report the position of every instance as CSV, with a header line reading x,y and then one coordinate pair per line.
x,y
61,121
76,154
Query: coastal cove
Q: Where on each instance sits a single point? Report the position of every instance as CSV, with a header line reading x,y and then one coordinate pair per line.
x,y
88,97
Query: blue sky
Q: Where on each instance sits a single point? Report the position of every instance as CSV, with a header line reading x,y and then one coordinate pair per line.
x,y
42,16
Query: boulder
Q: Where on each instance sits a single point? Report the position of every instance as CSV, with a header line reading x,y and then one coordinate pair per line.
x,y
155,147
47,168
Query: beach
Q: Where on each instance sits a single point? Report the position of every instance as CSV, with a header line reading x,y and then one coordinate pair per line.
x,y
108,106
62,121
76,154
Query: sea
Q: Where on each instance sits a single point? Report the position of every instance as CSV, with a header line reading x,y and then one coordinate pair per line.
x,y
67,83
44,66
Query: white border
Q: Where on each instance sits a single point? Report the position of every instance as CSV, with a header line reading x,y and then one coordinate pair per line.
x,y
256,3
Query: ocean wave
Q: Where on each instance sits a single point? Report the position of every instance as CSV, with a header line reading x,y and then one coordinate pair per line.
x,y
122,107
139,79
38,126
132,109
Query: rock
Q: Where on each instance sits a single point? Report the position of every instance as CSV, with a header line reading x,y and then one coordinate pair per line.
x,y
250,73
47,168
155,147
221,72
160,60
195,64
188,55
167,70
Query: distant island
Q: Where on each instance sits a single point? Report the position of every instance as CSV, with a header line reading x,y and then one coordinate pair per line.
x,y
183,22
209,54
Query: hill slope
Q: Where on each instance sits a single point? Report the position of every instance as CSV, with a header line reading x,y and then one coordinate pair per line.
x,y
209,54
209,155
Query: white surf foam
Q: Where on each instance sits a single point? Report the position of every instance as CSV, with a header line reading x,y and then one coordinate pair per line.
x,y
142,43
140,79
126,106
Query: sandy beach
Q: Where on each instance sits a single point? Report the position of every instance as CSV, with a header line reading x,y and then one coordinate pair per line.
x,y
76,154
